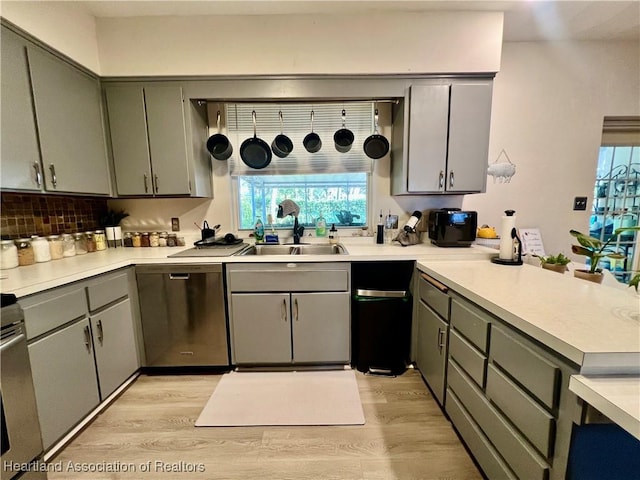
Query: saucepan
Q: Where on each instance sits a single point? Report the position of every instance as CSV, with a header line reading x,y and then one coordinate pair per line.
x,y
254,151
312,142
343,138
219,145
281,145
376,146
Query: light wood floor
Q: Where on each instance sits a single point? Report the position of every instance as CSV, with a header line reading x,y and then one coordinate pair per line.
x,y
405,436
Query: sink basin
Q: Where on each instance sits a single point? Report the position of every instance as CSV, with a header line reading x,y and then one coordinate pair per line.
x,y
304,249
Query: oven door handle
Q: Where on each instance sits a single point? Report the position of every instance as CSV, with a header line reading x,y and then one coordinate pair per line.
x,y
13,342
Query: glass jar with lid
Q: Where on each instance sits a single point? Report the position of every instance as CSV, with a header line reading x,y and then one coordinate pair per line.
x,y
25,252
91,241
162,239
135,239
8,255
127,239
144,239
154,239
81,243
172,240
101,240
41,251
68,245
55,247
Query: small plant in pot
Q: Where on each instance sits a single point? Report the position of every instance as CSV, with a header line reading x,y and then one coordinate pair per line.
x,y
557,263
595,250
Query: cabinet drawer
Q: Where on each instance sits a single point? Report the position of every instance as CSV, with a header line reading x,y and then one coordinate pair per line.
x,y
52,309
294,280
470,359
103,291
516,451
487,457
433,296
469,321
530,370
533,421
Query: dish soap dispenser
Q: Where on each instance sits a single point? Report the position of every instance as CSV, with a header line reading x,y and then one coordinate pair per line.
x,y
258,230
321,227
333,234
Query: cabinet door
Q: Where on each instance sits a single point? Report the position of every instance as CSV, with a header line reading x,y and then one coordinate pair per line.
x,y
115,346
469,122
64,377
321,327
69,118
129,144
167,140
432,349
261,328
19,148
428,119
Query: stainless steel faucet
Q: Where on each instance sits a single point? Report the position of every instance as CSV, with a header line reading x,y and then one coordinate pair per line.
x,y
289,207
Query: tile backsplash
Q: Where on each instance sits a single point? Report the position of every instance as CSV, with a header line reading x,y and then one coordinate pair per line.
x,y
23,215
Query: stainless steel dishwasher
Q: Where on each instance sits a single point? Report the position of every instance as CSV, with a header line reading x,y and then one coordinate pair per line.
x,y
183,315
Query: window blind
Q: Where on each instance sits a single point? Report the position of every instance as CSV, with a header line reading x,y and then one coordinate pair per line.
x,y
296,125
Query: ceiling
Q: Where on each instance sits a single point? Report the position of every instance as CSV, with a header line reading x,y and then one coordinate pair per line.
x,y
524,20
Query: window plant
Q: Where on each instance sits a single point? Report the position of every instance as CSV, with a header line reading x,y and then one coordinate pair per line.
x,y
557,263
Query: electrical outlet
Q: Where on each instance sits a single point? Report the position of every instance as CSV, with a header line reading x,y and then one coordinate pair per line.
x,y
175,224
580,203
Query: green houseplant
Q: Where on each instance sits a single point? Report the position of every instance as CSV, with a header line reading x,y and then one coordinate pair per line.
x,y
557,263
595,250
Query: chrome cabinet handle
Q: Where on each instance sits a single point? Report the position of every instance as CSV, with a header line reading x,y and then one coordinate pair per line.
x,y
36,167
441,180
87,338
440,339
283,311
100,332
451,177
54,178
156,182
295,309
146,183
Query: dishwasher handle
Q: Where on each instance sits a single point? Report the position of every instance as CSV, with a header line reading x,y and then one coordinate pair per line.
x,y
381,293
179,276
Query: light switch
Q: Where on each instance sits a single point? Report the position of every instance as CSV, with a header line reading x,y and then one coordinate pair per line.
x,y
175,224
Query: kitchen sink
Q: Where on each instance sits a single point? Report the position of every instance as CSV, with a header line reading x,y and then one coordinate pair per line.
x,y
301,249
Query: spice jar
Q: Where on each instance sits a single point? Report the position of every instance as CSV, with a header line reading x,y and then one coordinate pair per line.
x,y
91,241
162,239
25,252
172,240
81,243
41,251
55,247
144,239
128,239
68,245
154,239
8,255
136,241
101,240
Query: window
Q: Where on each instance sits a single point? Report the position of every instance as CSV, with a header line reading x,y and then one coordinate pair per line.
x,y
341,198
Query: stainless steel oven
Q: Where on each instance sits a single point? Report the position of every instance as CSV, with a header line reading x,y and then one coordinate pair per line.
x,y
20,430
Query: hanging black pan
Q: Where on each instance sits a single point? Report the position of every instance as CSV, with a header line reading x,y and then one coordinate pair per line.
x,y
281,145
376,146
219,145
312,142
343,138
254,151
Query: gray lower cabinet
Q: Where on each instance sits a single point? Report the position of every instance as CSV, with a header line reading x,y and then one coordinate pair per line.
x,y
432,349
441,138
158,140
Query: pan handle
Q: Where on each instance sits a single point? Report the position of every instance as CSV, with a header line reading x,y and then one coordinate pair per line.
x,y
375,122
253,115
281,122
311,121
344,118
218,121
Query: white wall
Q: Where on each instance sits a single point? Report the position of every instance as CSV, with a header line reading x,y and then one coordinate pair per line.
x,y
64,27
549,101
434,42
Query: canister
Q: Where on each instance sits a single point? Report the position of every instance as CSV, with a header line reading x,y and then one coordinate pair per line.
x,y
162,239
135,239
25,252
127,239
91,241
8,255
68,245
41,250
101,240
81,243
55,247
144,239
154,239
172,240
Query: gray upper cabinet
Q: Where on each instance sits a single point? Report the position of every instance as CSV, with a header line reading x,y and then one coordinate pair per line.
x,y
441,138
152,152
21,168
69,118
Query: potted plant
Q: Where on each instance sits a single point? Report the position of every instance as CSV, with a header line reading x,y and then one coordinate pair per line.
x,y
557,263
111,222
595,249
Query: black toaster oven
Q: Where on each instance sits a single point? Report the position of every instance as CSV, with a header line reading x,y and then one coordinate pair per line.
x,y
452,227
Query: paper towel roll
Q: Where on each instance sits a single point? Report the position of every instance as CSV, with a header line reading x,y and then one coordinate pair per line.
x,y
506,242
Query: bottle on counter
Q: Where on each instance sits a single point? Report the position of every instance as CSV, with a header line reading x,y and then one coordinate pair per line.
x,y
321,227
41,251
101,240
333,234
68,245
8,255
56,248
410,226
25,252
91,241
81,243
258,230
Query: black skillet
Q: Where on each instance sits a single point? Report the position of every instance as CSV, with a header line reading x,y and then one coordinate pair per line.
x,y
219,145
254,151
281,145
312,142
376,146
343,138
